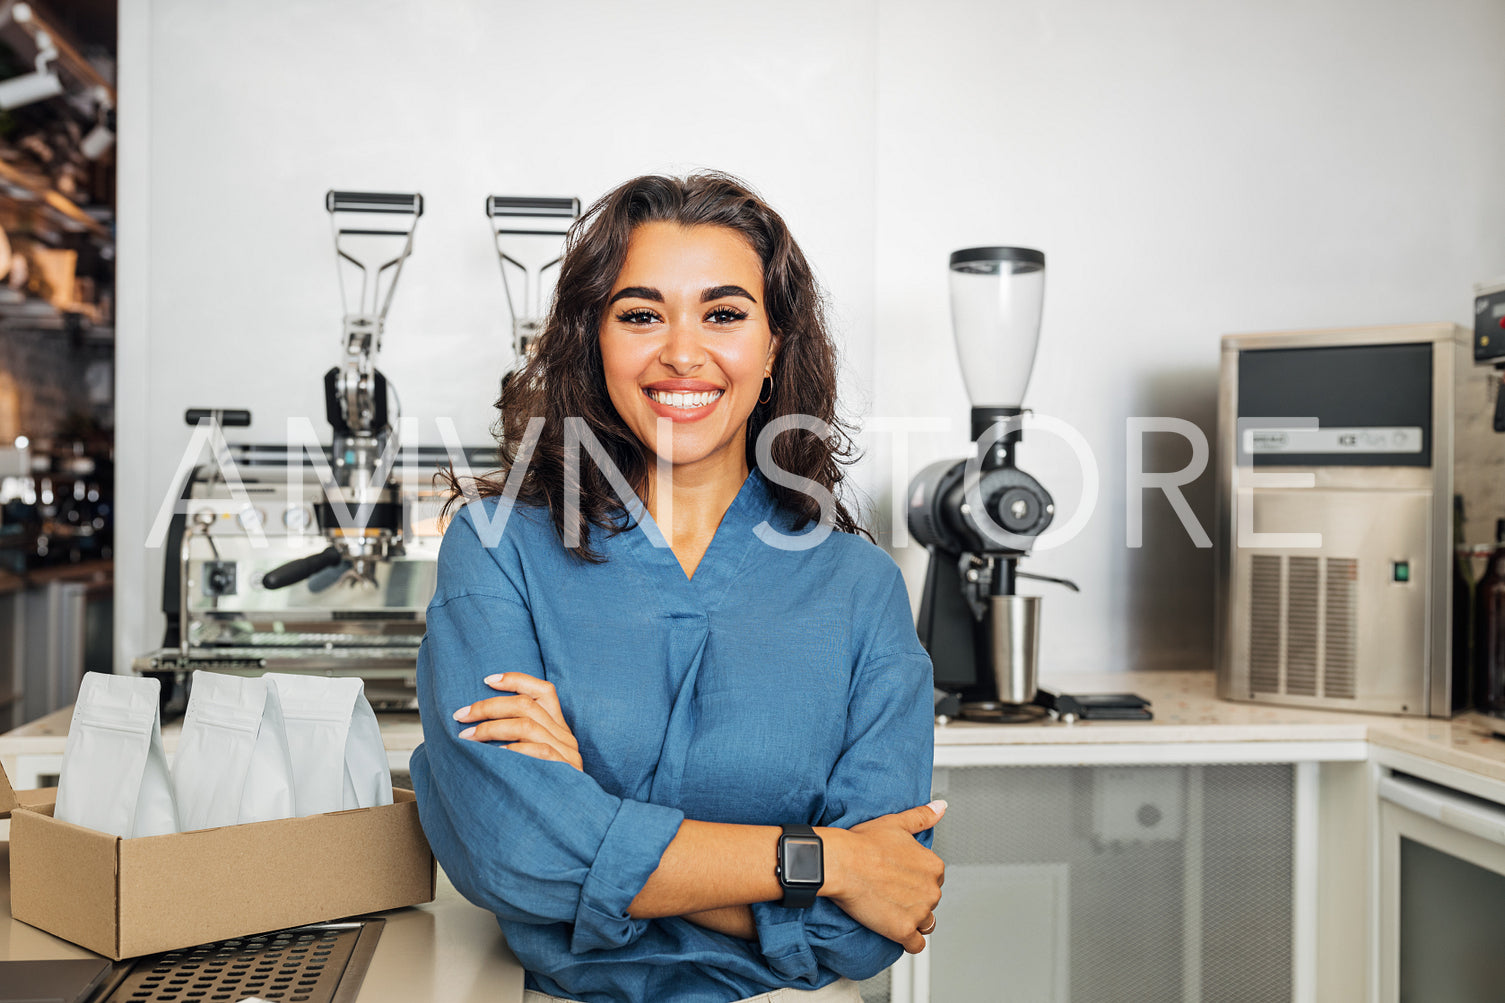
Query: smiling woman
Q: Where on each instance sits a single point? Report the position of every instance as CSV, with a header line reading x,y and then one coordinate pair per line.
x,y
682,757
655,226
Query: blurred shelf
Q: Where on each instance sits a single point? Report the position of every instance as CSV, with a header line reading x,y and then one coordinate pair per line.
x,y
99,571
60,209
22,312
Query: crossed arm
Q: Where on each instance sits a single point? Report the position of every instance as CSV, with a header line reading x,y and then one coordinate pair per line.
x,y
711,873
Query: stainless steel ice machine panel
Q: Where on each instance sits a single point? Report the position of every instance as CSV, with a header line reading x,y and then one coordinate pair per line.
x,y
1339,455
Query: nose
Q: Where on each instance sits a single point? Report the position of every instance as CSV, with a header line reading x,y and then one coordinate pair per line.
x,y
682,350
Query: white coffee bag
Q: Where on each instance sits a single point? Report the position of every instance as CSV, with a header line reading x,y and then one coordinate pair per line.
x,y
334,743
115,777
232,762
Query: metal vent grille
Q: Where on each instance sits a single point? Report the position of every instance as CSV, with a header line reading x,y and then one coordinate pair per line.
x,y
1246,880
1195,904
1303,625
1264,624
1303,591
1341,622
323,963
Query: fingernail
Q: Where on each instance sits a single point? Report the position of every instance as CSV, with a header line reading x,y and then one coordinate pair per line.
x,y
467,732
939,807
493,680
460,714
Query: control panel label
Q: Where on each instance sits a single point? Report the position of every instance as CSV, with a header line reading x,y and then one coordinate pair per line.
x,y
1332,440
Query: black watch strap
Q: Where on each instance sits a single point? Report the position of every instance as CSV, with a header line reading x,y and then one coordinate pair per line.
x,y
799,894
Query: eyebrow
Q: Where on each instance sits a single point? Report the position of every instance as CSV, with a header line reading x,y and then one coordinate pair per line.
x,y
649,293
718,292
636,292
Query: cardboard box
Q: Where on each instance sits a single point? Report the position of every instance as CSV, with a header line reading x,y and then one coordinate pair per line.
x,y
127,897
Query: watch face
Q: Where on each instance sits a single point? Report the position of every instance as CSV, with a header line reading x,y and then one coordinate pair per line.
x,y
802,861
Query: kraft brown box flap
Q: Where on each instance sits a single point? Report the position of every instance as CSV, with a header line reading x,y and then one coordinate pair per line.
x,y
43,798
11,799
62,879
195,887
8,800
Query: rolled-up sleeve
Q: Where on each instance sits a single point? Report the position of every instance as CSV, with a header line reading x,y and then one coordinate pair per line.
x,y
533,841
884,767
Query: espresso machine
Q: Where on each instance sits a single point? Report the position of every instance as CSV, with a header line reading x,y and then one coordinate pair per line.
x,y
979,517
298,557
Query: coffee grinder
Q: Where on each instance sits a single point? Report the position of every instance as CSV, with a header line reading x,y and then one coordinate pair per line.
x,y
978,517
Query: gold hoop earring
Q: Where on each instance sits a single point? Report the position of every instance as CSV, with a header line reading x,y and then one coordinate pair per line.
x,y
767,394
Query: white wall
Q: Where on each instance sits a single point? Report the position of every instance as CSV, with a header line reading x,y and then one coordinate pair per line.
x,y
1189,169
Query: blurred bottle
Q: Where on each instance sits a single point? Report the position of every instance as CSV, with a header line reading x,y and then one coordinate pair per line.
x,y
1489,631
1463,614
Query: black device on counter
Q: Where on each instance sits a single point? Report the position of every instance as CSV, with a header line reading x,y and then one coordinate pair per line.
x,y
1095,706
967,563
979,516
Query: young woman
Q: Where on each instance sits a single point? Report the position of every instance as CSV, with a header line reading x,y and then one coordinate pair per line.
x,y
705,671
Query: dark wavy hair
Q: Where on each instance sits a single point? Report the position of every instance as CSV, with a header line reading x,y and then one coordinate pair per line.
x,y
563,375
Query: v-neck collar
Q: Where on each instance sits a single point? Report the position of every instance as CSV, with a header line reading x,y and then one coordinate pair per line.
x,y
729,548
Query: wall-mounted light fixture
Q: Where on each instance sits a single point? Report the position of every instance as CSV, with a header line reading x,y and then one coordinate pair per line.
x,y
56,55
40,84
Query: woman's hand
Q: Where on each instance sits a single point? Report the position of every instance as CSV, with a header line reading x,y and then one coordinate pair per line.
x,y
881,877
531,722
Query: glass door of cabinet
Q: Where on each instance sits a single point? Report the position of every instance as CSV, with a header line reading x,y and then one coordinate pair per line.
x,y
1442,895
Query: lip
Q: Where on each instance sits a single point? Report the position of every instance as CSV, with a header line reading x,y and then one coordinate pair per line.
x,y
682,414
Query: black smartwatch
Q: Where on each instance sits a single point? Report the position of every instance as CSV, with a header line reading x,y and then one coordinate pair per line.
x,y
801,867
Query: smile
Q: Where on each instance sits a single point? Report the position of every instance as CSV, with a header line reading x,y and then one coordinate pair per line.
x,y
680,399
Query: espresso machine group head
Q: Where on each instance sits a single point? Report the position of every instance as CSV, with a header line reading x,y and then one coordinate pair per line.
x,y
373,236
978,517
529,232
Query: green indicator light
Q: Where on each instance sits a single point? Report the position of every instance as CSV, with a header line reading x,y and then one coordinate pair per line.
x,y
1402,571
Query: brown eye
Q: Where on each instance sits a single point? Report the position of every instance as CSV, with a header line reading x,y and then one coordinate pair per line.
x,y
726,315
639,316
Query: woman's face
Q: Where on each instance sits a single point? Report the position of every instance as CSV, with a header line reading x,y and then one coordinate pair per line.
x,y
685,337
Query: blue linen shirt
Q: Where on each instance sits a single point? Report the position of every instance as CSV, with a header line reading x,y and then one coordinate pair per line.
x,y
774,686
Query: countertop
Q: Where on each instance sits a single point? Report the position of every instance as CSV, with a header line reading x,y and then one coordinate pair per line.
x,y
1185,704
1187,709
446,950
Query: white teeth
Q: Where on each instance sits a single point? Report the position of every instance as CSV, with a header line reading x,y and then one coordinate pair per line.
x,y
677,399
